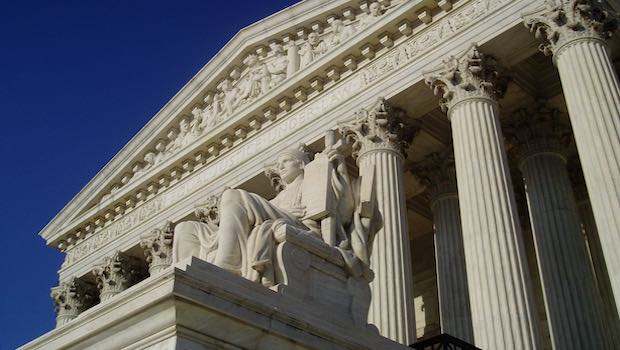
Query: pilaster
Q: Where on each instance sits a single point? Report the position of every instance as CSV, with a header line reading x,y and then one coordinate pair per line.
x,y
502,307
379,138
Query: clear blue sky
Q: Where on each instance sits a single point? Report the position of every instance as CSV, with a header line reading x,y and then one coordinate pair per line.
x,y
77,80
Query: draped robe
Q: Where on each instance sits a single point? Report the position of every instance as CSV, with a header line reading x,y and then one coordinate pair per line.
x,y
244,242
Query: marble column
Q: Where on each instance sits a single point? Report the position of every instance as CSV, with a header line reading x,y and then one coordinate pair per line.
x,y
117,273
71,298
503,314
567,279
603,285
437,172
574,32
379,138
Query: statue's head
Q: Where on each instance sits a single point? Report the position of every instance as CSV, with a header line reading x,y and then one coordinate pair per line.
x,y
278,49
375,9
184,125
337,25
251,60
313,38
149,158
290,164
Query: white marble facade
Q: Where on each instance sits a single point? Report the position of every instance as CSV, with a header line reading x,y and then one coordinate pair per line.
x,y
364,175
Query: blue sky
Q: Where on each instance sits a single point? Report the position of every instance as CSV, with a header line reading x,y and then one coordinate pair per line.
x,y
77,80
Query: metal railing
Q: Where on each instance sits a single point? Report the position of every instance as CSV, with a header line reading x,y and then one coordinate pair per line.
x,y
443,342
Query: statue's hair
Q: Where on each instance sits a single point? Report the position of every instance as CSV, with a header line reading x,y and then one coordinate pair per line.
x,y
298,153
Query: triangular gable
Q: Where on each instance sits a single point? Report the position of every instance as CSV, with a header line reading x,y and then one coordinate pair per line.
x,y
254,63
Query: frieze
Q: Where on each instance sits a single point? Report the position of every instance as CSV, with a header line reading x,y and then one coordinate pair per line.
x,y
401,55
262,71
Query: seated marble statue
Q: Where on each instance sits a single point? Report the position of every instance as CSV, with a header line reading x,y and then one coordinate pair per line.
x,y
240,236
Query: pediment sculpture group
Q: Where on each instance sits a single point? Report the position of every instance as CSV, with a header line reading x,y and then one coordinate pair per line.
x,y
260,74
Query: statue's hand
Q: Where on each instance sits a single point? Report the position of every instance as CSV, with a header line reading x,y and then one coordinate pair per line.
x,y
299,211
337,158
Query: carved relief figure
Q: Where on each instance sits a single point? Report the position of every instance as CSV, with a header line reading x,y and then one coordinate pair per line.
x,y
150,159
255,82
374,12
195,125
229,97
244,242
172,146
208,117
312,49
279,66
185,136
340,32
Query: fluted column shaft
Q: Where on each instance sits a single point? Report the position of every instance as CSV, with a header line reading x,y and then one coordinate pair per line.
x,y
592,96
573,308
610,312
500,294
574,32
391,308
379,137
502,309
454,309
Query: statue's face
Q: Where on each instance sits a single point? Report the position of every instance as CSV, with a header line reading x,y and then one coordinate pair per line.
x,y
184,126
252,60
289,167
313,38
375,9
149,158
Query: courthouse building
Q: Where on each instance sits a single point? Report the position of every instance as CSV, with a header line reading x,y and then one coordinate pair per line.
x,y
351,174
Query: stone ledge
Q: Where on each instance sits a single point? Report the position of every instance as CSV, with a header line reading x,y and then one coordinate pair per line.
x,y
211,306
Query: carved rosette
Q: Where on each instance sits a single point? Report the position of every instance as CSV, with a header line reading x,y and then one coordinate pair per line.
x,y
71,298
118,272
158,248
540,131
437,172
473,74
557,25
381,127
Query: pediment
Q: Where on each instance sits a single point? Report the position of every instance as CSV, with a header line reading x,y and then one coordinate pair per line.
x,y
253,81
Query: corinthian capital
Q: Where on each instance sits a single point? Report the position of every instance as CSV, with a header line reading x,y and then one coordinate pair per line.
x,y
559,24
71,298
379,127
437,172
540,130
473,74
117,273
158,248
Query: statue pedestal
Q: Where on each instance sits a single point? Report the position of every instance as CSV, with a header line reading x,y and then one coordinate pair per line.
x,y
196,305
309,270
